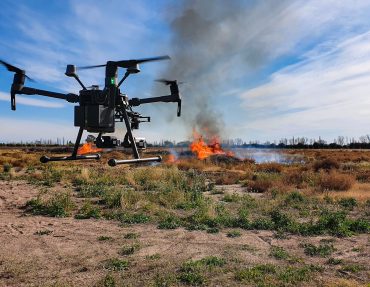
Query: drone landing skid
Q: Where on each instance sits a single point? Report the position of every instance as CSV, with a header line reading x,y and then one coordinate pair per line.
x,y
114,162
45,159
74,156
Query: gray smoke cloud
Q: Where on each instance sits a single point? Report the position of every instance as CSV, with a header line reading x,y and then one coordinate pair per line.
x,y
217,42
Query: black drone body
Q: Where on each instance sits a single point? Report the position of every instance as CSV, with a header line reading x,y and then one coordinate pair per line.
x,y
99,110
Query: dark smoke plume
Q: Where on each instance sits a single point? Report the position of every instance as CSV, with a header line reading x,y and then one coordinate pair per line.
x,y
217,42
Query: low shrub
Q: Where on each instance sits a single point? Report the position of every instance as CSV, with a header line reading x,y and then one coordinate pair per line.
x,y
325,164
335,181
88,210
273,167
115,264
348,203
170,222
59,205
322,250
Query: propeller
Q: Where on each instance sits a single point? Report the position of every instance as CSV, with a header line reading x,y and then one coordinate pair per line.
x,y
128,63
15,69
168,82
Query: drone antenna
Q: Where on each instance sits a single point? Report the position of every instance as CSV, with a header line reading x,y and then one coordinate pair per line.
x,y
124,78
71,72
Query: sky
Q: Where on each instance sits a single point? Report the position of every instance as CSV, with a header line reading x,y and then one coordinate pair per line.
x,y
255,70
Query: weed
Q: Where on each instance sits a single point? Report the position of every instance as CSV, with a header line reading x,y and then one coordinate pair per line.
x,y
105,238
334,261
115,264
131,236
354,268
88,211
155,256
135,218
7,167
348,203
170,222
107,281
191,272
279,253
59,205
322,250
233,234
231,198
129,249
294,197
43,232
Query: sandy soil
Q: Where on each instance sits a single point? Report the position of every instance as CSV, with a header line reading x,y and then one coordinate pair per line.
x,y
72,254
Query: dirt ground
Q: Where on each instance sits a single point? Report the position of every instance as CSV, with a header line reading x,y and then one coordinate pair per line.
x,y
46,251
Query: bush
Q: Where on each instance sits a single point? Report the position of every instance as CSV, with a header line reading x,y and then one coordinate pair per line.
x,y
261,184
325,164
322,250
170,222
279,253
88,211
294,197
348,203
335,181
273,167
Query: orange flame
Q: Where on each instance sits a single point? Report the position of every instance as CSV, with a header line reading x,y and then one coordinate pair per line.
x,y
171,158
204,150
88,148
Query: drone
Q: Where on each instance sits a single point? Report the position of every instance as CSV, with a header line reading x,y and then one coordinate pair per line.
x,y
98,110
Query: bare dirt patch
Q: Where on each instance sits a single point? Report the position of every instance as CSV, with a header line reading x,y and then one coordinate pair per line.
x,y
42,251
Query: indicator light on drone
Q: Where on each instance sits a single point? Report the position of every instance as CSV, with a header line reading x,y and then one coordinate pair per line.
x,y
112,81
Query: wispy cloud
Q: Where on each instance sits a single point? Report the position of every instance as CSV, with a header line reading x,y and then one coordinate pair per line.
x,y
327,94
23,100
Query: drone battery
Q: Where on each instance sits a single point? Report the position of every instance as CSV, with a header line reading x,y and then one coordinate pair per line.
x,y
95,118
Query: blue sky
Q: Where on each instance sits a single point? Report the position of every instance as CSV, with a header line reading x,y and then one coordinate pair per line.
x,y
266,71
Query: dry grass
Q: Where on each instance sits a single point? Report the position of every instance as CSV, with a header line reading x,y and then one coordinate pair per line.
x,y
335,181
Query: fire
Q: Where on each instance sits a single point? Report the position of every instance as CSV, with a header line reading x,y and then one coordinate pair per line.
x,y
88,148
204,150
171,158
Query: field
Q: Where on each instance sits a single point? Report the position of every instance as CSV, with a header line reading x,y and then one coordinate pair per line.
x,y
186,222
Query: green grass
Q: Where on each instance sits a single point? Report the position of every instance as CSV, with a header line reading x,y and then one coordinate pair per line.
x,y
279,253
321,250
129,249
131,235
88,210
271,275
234,233
59,205
170,222
193,272
105,238
115,264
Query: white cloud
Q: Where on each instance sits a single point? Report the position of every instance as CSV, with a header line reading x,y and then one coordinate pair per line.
x,y
23,100
327,95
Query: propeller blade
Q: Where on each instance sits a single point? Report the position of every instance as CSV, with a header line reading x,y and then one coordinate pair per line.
x,y
169,82
11,68
15,69
30,79
90,67
128,63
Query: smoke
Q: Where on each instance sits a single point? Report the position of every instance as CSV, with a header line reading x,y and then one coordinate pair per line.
x,y
216,43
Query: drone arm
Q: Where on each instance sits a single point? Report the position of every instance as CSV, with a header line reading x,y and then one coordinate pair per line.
x,y
164,99
72,98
